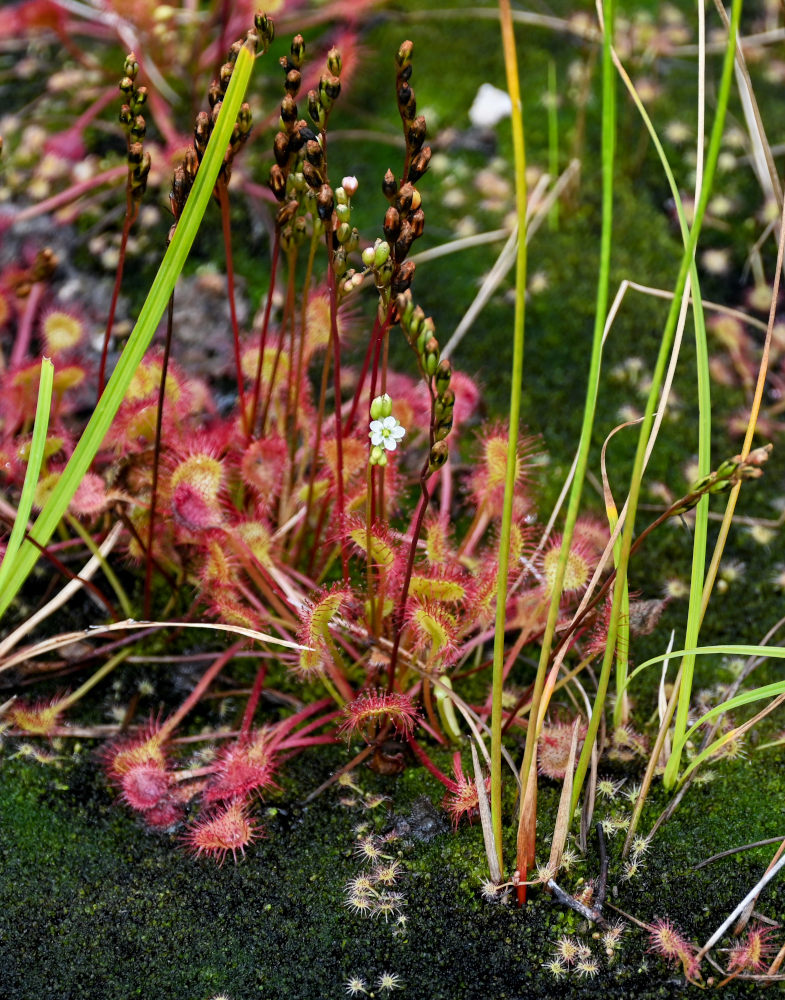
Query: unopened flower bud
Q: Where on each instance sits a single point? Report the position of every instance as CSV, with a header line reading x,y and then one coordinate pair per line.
x,y
342,210
381,253
378,456
368,256
381,407
344,232
350,185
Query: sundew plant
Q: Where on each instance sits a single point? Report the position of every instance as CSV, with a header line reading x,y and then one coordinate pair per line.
x,y
360,551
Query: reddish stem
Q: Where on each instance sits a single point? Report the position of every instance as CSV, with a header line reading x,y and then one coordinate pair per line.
x,y
263,337
131,212
223,199
24,333
253,700
159,417
337,389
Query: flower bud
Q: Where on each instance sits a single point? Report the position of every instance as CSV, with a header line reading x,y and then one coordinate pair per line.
x,y
343,232
350,185
368,256
381,407
342,210
381,253
131,66
378,456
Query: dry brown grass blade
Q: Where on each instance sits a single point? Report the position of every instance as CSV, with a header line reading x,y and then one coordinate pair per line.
x,y
485,819
562,827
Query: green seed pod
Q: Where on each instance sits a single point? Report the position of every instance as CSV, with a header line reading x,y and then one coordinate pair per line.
x,y
342,210
131,66
354,240
726,469
368,256
343,233
443,376
442,429
127,86
431,355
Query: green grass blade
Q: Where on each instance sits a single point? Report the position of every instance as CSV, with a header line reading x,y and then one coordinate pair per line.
x,y
10,577
145,328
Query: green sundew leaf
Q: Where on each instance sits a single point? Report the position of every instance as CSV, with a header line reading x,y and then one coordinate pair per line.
x,y
10,574
382,553
437,590
145,328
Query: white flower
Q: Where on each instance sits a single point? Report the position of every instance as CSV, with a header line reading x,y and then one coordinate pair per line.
x,y
386,433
